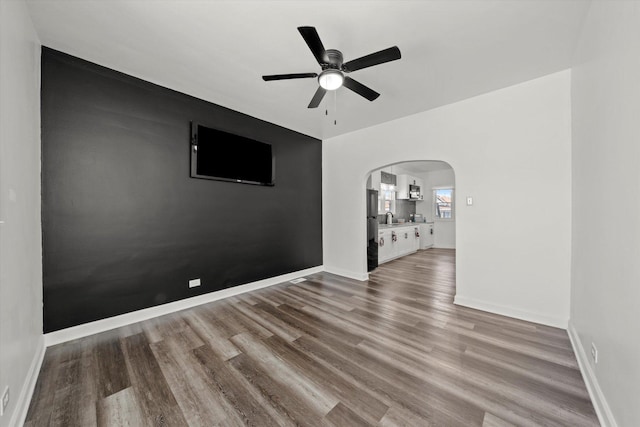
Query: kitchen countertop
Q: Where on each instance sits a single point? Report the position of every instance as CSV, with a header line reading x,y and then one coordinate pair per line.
x,y
398,225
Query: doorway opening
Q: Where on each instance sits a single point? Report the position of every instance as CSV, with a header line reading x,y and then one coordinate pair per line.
x,y
411,207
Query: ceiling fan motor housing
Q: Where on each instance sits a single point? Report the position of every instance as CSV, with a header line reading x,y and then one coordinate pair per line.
x,y
334,59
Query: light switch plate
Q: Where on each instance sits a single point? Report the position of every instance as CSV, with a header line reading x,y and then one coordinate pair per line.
x,y
194,283
469,201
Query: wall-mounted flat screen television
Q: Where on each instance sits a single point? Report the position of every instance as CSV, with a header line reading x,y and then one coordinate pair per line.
x,y
224,156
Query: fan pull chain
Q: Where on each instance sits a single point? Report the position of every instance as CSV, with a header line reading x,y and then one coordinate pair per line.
x,y
335,108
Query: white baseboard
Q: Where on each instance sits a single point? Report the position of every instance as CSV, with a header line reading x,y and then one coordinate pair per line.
x,y
349,274
529,316
605,416
24,399
75,332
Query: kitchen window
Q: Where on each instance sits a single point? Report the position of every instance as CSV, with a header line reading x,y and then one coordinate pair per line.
x,y
387,199
443,203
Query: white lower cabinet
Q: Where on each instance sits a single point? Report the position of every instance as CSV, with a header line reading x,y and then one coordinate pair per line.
x,y
416,238
397,241
426,235
404,241
384,246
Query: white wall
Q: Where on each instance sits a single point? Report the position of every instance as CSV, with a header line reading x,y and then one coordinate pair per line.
x,y
20,237
444,234
444,231
605,290
515,142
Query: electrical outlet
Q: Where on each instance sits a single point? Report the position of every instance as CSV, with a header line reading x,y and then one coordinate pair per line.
x,y
5,400
594,353
194,283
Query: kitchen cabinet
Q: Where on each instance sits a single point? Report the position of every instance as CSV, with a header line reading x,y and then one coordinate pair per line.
x,y
415,235
426,235
385,246
406,241
404,181
375,180
402,189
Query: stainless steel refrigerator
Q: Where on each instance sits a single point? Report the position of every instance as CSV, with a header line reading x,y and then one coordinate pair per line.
x,y
372,229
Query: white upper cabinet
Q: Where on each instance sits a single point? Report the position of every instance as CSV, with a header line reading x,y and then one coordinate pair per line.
x,y
375,180
403,187
404,181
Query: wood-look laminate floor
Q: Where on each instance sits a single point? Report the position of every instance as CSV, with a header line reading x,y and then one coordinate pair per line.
x,y
328,351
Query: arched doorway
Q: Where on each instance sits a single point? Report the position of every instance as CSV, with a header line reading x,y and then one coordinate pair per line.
x,y
410,207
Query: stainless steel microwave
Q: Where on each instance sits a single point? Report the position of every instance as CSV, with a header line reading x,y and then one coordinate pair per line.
x,y
414,192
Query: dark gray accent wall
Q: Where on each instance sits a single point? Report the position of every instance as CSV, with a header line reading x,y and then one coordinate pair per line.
x,y
125,227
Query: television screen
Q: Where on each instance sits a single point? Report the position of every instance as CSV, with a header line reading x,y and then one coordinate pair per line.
x,y
220,155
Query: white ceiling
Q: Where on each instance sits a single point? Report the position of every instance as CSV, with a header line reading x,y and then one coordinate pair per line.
x,y
218,50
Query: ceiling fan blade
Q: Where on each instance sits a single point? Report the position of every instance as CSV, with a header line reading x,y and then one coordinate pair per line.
x,y
310,35
288,76
386,55
360,89
317,98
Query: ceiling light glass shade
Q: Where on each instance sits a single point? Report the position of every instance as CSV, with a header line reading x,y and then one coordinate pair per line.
x,y
331,79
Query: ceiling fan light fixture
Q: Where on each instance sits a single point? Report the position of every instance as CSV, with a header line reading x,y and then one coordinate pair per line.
x,y
331,79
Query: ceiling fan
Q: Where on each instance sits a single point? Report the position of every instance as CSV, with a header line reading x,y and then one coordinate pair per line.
x,y
334,69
